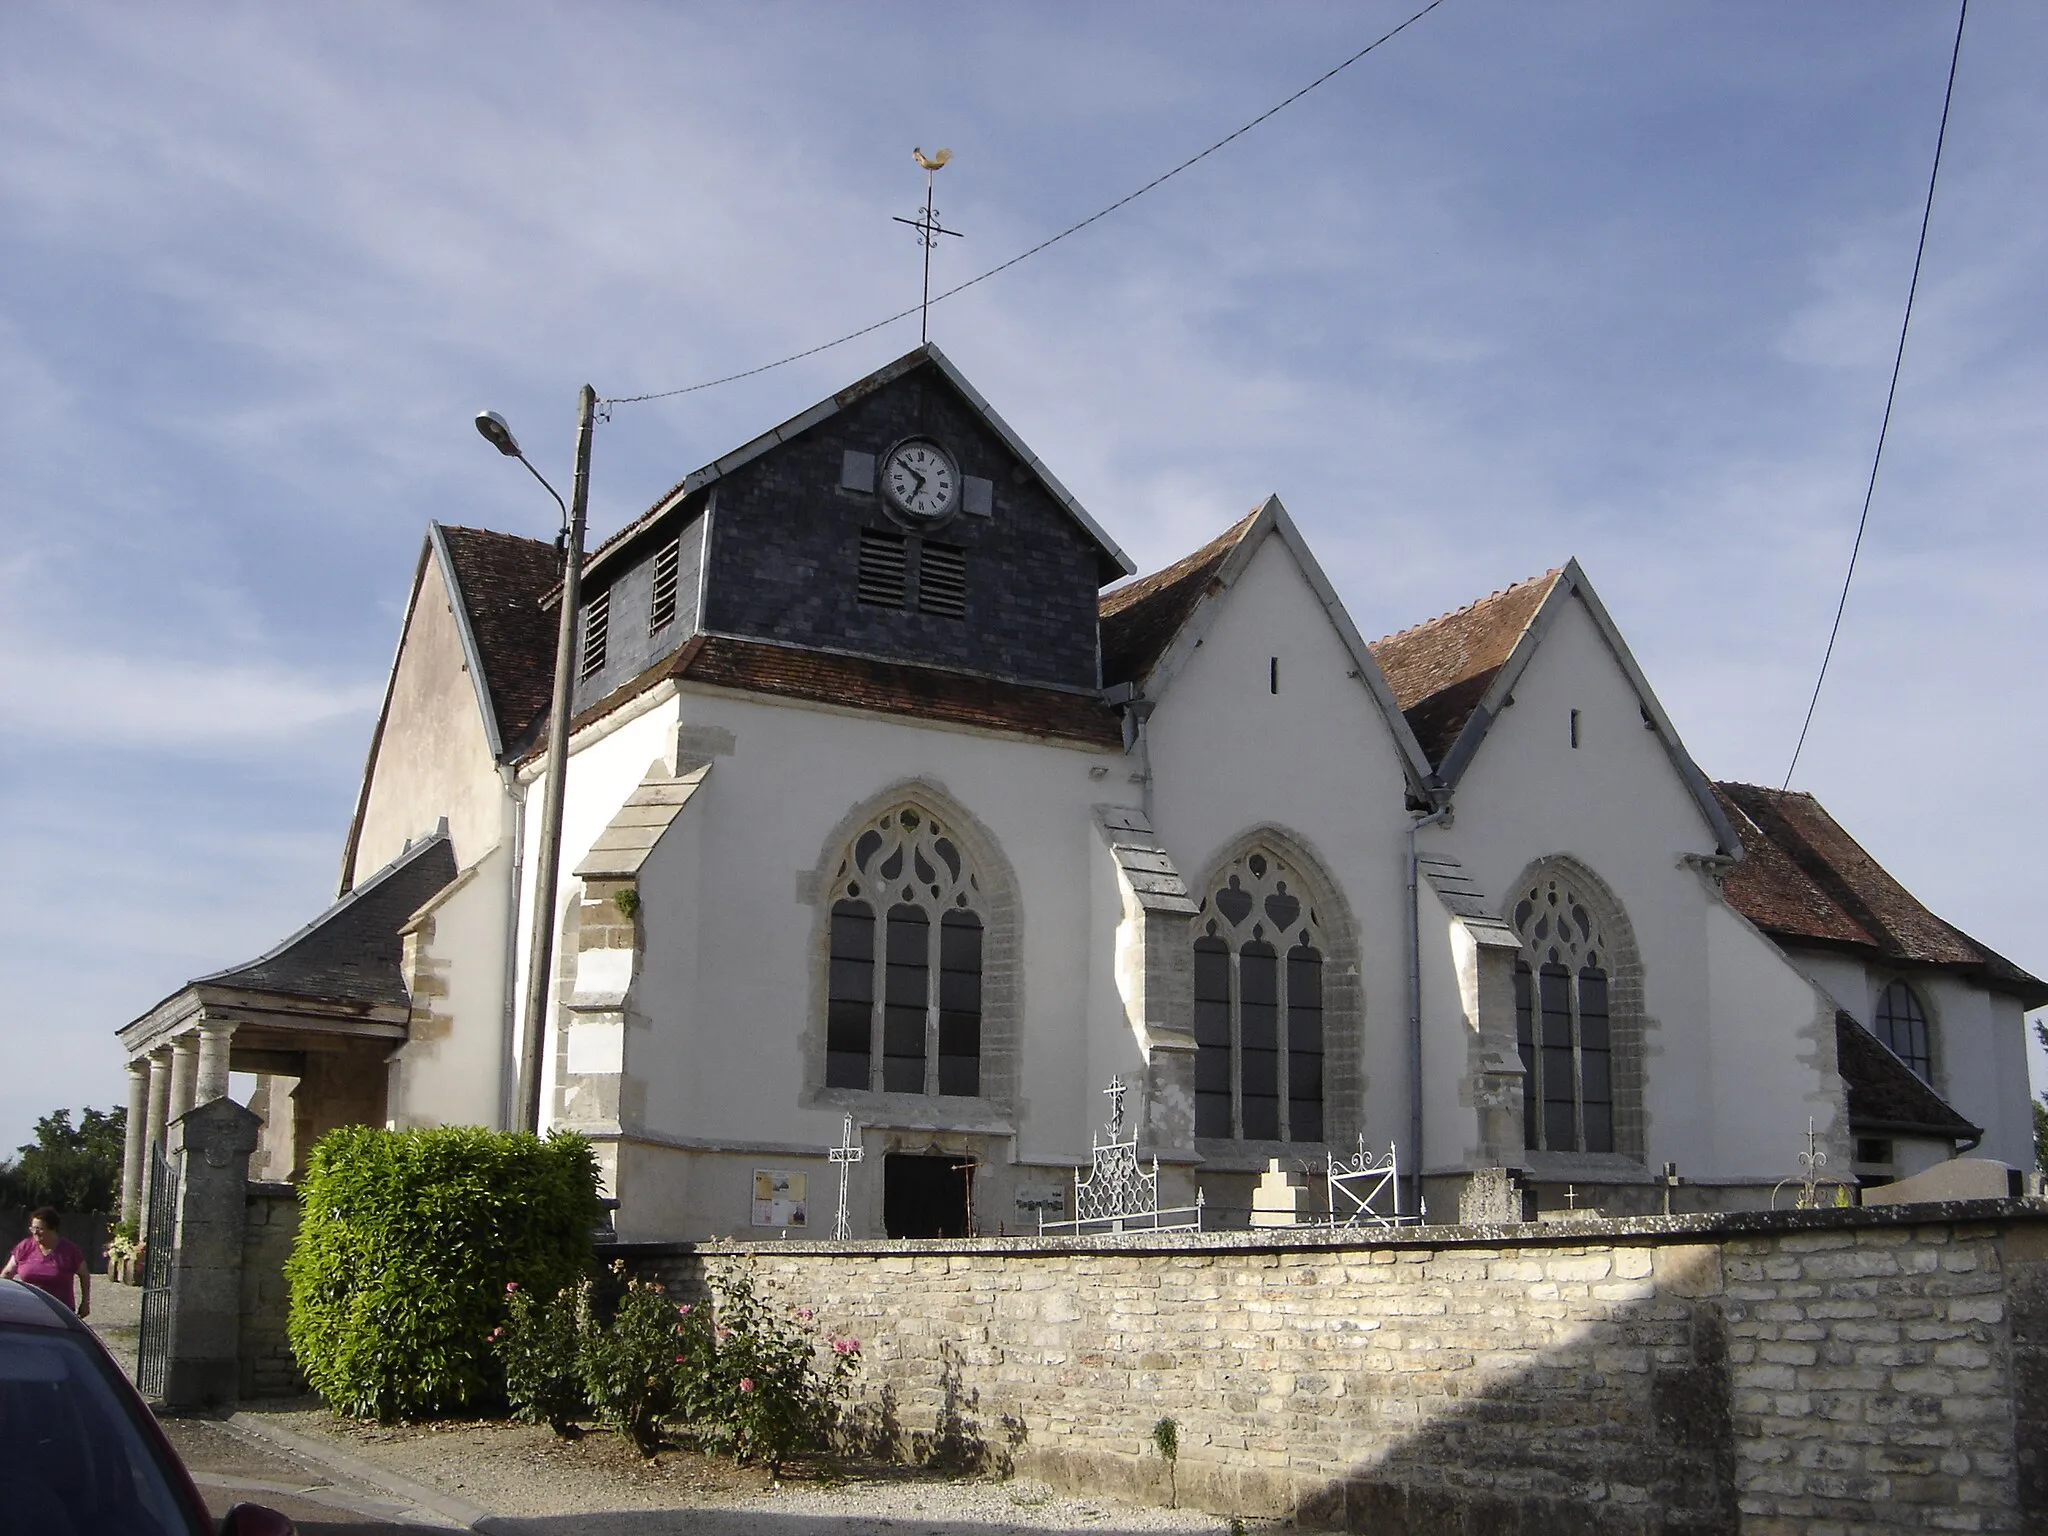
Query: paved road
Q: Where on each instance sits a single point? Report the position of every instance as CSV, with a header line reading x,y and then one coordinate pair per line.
x,y
233,1467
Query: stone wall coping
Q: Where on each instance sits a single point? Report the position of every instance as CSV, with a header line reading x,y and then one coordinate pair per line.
x,y
1649,1230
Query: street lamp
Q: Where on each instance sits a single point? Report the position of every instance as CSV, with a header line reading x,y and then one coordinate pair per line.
x,y
541,952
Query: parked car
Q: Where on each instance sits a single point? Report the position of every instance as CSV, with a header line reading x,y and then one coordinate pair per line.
x,y
80,1452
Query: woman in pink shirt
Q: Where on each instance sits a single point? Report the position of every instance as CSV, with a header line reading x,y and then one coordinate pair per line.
x,y
47,1262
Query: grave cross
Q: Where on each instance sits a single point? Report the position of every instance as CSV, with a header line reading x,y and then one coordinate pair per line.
x,y
846,1154
1116,1091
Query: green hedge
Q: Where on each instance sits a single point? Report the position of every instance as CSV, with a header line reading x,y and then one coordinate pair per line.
x,y
407,1243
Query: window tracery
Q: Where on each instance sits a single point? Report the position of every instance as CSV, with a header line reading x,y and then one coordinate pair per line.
x,y
904,1003
1562,1019
1259,1004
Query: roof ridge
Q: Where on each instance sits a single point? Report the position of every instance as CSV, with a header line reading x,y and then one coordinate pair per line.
x,y
1477,603
494,533
1120,597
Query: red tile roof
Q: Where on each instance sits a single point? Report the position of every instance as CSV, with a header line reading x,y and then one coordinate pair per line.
x,y
885,687
1140,618
1805,879
893,688
1439,670
503,579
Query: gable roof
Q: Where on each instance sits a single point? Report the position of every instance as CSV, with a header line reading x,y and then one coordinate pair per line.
x,y
1151,626
1114,562
1140,618
499,580
1885,1096
347,963
1807,880
1440,669
1454,674
495,582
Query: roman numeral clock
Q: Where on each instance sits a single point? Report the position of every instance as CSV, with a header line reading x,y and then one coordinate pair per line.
x,y
921,481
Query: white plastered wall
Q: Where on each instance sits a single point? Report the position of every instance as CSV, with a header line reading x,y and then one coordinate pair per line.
x,y
1726,1089
1316,759
434,757
448,1071
717,1019
1980,1043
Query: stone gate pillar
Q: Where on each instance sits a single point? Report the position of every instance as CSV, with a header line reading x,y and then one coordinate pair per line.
x,y
209,1149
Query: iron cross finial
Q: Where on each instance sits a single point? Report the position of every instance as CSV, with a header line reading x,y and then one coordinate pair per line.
x,y
1116,1091
928,228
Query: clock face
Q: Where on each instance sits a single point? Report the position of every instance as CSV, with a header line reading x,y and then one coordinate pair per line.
x,y
920,479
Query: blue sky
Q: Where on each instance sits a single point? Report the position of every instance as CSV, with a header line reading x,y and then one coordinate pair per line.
x,y
1612,281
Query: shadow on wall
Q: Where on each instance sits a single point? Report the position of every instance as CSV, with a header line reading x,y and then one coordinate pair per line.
x,y
1885,1369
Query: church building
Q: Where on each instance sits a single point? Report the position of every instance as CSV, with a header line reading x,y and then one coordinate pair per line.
x,y
892,796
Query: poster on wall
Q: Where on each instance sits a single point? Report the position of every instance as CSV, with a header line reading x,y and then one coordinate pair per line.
x,y
780,1198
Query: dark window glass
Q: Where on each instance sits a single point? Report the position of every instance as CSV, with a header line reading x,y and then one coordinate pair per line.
x,y
850,1009
1212,1037
1902,1025
1525,1038
1596,1086
1304,1044
960,1003
1259,1025
907,999
1554,992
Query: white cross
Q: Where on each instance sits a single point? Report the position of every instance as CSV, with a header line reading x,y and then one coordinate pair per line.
x,y
846,1154
1116,1091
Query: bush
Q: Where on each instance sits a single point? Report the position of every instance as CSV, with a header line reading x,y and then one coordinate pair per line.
x,y
763,1383
407,1244
635,1368
537,1347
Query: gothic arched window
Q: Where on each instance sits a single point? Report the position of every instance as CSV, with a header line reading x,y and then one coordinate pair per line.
x,y
1561,1021
1259,1005
903,1010
1902,1025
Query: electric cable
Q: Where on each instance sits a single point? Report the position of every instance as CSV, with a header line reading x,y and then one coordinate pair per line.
x,y
1892,394
1071,229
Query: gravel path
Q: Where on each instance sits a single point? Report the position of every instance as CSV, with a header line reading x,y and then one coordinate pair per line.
x,y
516,1478
520,1480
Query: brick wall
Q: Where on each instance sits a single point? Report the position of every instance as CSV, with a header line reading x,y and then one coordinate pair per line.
x,y
267,1368
1872,1371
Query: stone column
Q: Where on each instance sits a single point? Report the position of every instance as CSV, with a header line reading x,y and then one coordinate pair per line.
x,y
184,1072
157,1126
159,1095
210,1148
215,1037
135,1141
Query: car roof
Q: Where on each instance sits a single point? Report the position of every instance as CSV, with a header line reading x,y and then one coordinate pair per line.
x,y
25,1306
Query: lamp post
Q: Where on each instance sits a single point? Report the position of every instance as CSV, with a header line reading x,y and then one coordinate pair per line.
x,y
548,861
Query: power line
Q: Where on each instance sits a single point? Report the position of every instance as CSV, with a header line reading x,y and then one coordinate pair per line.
x,y
1892,394
1071,229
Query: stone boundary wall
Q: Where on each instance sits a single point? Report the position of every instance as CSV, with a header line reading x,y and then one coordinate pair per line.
x,y
264,1353
1862,1370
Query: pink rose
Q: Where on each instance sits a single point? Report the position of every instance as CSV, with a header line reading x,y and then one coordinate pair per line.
x,y
511,1286
805,1313
679,1359
746,1383
497,1333
683,1310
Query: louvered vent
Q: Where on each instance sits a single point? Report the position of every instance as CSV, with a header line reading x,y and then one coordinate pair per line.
x,y
597,625
883,567
661,612
942,580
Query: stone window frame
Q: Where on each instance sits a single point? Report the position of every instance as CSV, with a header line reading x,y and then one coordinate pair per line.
x,y
1344,1013
1627,1023
1928,1020
1002,1001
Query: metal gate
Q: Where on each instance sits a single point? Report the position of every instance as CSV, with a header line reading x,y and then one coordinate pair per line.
x,y
153,1353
